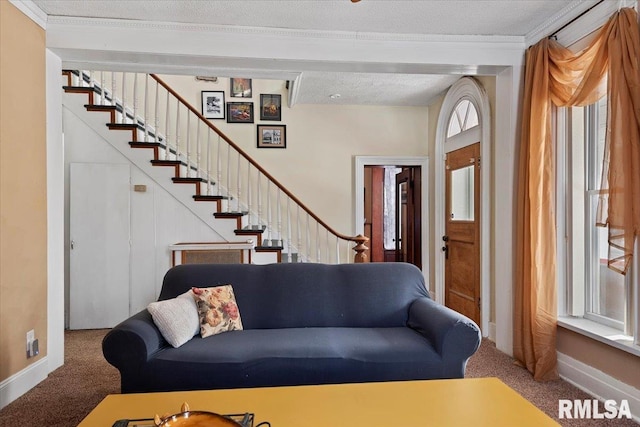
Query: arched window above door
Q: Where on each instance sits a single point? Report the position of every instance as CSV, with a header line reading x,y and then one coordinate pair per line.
x,y
463,118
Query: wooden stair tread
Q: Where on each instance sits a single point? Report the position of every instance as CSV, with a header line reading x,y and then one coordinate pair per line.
x,y
94,107
249,230
268,248
140,144
229,214
126,126
162,162
206,198
187,180
78,89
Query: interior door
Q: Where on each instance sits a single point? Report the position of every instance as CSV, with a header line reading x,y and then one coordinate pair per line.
x,y
462,225
99,245
408,217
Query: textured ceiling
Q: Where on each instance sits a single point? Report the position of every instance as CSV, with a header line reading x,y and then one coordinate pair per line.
x,y
432,17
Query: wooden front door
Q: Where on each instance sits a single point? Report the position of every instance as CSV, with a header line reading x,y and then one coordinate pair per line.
x,y
461,242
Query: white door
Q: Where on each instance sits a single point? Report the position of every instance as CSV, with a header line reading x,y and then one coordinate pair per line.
x,y
99,238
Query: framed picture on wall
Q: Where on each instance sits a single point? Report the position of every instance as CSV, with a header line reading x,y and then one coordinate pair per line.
x,y
241,88
272,136
213,104
270,107
239,112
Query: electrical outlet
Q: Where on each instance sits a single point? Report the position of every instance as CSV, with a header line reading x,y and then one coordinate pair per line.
x,y
31,336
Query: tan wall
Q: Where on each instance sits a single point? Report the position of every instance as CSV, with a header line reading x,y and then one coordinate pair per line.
x,y
322,141
23,198
616,363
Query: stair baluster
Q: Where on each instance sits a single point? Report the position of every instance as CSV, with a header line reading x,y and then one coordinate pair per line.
x,y
228,178
327,246
289,229
269,223
146,108
238,187
209,163
318,246
249,202
178,131
113,93
135,100
308,240
188,142
167,135
123,100
279,216
299,234
259,201
156,130
198,152
219,167
103,98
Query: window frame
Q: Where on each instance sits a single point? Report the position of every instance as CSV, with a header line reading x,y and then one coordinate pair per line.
x,y
575,301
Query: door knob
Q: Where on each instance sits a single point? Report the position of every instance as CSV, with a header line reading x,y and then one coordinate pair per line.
x,y
445,238
72,244
445,249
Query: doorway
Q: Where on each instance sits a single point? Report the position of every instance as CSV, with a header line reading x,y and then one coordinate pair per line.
x,y
393,213
465,119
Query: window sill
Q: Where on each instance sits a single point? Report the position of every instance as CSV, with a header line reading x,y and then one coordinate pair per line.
x,y
598,332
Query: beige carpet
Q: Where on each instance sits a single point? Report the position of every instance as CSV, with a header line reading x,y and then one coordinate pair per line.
x,y
70,392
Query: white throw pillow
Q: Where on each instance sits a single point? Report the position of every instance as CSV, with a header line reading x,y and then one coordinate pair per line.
x,y
176,318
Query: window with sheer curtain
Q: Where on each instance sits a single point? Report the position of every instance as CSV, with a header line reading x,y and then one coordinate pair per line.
x,y
595,292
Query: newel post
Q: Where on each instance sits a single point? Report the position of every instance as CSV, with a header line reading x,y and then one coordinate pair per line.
x,y
360,248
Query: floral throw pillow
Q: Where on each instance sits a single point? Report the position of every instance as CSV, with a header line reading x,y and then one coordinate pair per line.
x,y
217,310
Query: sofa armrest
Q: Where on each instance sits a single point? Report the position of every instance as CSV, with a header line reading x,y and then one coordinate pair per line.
x,y
131,343
453,335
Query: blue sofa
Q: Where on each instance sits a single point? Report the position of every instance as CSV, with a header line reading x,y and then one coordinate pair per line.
x,y
303,324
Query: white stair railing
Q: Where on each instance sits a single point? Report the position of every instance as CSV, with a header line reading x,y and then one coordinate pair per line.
x,y
171,122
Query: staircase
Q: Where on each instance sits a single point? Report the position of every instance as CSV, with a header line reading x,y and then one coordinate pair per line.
x,y
157,130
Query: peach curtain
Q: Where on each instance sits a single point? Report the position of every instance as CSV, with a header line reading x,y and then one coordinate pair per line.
x,y
556,76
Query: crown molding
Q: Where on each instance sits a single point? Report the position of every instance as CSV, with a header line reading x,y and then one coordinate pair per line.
x,y
30,9
569,12
591,21
277,32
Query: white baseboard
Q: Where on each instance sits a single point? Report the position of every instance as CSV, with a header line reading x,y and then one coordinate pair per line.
x,y
598,384
23,381
492,331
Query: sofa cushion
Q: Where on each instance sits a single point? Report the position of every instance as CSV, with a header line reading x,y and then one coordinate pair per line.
x,y
303,295
271,357
177,318
217,310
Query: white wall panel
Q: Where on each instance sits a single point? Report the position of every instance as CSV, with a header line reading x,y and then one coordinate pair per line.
x,y
157,219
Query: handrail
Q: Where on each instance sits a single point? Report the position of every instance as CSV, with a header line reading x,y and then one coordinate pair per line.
x,y
360,239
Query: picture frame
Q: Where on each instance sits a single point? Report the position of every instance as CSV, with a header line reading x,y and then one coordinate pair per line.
x,y
240,88
270,107
272,136
239,112
213,104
